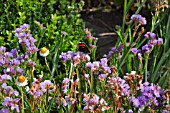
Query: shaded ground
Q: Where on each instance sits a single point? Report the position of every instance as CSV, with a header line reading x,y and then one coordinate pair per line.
x,y
103,22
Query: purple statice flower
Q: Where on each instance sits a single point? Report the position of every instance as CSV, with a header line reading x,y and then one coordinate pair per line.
x,y
64,103
135,51
150,35
25,42
57,101
35,90
14,53
2,50
103,62
165,111
138,18
106,69
119,48
31,63
32,49
4,110
102,77
69,100
64,58
10,71
130,111
89,65
12,103
147,48
66,80
47,85
93,65
14,93
96,64
5,77
8,55
25,26
14,62
65,85
111,52
6,88
76,57
21,58
159,41
25,38
151,95
93,103
9,91
156,90
123,89
20,71
135,102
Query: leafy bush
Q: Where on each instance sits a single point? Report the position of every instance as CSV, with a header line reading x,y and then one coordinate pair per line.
x,y
47,75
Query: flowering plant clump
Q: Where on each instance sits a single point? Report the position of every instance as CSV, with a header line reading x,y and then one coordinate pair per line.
x,y
124,81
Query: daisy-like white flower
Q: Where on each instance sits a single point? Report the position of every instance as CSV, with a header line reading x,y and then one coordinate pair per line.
x,y
44,52
21,81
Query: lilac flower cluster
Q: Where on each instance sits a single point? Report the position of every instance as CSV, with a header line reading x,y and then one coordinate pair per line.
x,y
9,91
26,39
147,48
9,62
118,86
65,85
11,104
67,99
99,66
94,103
117,50
151,95
139,19
136,51
11,65
76,57
39,87
152,42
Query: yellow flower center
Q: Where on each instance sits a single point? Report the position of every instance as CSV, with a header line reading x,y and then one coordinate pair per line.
x,y
21,79
52,87
44,50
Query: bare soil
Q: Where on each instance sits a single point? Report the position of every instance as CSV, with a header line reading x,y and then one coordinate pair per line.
x,y
102,22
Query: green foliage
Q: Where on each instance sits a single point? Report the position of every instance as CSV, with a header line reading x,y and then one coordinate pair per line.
x,y
48,20
53,17
79,83
156,61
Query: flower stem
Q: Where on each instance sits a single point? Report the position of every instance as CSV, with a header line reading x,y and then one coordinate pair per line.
x,y
146,66
22,96
91,85
47,65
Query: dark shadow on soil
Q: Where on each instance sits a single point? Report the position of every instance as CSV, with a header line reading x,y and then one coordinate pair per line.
x,y
102,22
